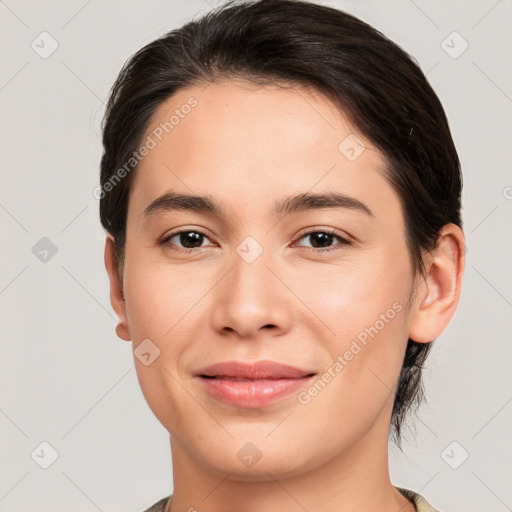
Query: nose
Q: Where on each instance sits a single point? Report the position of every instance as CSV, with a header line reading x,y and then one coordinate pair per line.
x,y
252,297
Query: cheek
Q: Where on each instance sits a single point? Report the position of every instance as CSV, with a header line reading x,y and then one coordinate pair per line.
x,y
358,382
160,307
352,296
364,317
160,298
164,305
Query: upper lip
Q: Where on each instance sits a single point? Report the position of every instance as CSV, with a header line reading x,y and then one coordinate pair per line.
x,y
253,370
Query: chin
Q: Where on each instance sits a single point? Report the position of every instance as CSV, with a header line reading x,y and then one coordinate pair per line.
x,y
253,458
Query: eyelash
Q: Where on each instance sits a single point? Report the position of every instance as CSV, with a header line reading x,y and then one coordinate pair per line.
x,y
343,241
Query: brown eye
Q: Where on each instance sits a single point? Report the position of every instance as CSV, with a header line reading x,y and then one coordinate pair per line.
x,y
185,240
323,240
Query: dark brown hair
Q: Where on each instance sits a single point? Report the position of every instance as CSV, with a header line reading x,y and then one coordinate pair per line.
x,y
380,89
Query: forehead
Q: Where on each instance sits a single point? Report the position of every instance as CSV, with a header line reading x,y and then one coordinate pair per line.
x,y
253,144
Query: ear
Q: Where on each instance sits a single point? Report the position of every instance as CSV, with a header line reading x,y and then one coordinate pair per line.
x,y
116,290
438,292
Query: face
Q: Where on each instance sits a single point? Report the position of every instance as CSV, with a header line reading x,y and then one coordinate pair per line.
x,y
320,284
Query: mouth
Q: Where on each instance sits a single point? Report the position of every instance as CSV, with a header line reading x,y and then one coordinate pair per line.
x,y
241,379
252,385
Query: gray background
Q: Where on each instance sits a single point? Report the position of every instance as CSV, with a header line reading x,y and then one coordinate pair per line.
x,y
66,379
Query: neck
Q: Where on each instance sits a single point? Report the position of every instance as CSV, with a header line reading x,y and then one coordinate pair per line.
x,y
355,479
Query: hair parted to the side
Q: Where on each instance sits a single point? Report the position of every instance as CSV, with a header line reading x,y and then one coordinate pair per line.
x,y
380,89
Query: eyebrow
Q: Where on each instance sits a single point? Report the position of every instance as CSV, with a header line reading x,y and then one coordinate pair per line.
x,y
297,203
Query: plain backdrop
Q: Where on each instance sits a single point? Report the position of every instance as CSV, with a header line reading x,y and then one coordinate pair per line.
x,y
67,381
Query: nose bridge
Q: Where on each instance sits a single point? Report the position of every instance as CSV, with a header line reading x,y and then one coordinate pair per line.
x,y
251,296
250,280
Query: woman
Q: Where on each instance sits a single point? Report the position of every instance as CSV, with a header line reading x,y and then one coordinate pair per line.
x,y
281,195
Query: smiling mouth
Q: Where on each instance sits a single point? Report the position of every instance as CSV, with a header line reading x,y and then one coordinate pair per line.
x,y
252,393
252,384
243,379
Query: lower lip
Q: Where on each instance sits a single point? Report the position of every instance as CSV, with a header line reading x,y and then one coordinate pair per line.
x,y
255,393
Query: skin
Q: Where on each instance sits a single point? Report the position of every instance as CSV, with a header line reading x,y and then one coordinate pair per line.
x,y
249,146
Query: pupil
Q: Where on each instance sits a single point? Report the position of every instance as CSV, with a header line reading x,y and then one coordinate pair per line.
x,y
189,238
321,238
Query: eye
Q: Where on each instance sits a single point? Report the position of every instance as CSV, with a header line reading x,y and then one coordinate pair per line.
x,y
192,239
323,239
189,238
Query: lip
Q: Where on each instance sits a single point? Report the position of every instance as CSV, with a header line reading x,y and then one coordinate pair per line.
x,y
252,384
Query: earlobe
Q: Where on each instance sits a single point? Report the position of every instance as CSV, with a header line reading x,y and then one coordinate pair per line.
x,y
439,289
123,332
116,290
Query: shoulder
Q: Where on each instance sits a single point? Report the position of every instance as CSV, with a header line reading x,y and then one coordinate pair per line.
x,y
159,506
421,504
